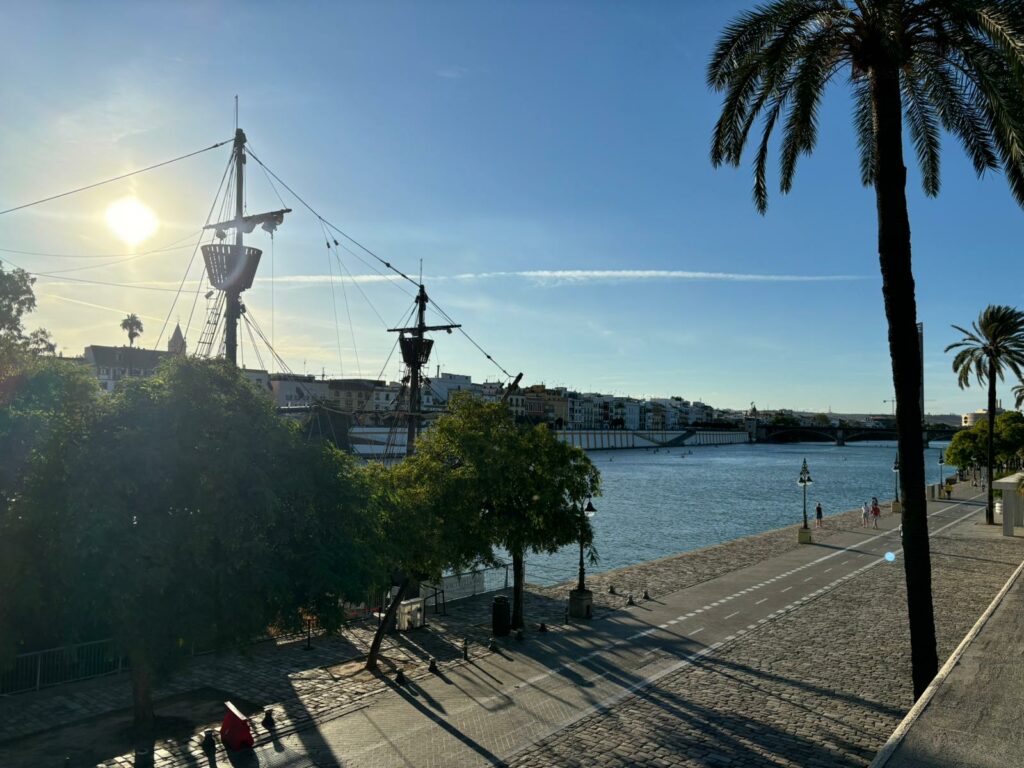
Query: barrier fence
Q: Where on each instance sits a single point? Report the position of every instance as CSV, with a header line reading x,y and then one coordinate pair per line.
x,y
57,666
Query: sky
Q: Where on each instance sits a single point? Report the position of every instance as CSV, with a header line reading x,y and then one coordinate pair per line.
x,y
544,166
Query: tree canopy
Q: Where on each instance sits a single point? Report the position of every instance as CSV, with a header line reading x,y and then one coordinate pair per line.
x,y
186,513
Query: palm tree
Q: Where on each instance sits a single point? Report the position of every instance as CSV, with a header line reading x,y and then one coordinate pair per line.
x,y
133,327
956,65
995,344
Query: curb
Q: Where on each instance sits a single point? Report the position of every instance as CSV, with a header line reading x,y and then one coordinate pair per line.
x,y
897,737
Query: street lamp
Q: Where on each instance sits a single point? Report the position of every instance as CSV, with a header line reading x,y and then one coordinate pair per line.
x,y
587,512
942,461
896,479
581,599
804,481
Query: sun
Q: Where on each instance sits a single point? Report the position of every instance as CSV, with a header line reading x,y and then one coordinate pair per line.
x,y
131,220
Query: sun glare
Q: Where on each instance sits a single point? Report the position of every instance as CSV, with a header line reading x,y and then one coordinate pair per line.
x,y
131,220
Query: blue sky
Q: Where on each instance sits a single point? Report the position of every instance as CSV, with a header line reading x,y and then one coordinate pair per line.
x,y
547,163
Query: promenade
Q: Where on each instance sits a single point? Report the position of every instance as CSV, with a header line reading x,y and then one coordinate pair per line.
x,y
756,652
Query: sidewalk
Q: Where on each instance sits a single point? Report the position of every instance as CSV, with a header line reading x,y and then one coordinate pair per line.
x,y
765,653
971,715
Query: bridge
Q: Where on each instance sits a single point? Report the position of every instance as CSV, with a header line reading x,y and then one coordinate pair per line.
x,y
784,433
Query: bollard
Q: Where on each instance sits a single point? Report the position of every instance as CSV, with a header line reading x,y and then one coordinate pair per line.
x,y
492,645
647,595
611,589
400,677
268,719
209,744
432,666
520,636
630,600
465,649
543,627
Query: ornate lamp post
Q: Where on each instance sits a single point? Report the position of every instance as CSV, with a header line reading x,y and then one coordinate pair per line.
x,y
896,484
581,599
804,481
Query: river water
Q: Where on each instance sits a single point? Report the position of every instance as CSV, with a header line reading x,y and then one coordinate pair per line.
x,y
661,503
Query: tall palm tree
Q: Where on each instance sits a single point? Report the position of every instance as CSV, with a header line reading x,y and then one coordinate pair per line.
x,y
956,65
133,327
995,343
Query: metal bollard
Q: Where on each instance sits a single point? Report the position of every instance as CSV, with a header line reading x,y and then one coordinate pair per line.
x,y
465,649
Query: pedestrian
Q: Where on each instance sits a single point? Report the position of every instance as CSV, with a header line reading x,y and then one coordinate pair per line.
x,y
817,516
865,512
876,512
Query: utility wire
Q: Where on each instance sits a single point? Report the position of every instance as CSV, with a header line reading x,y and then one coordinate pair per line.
x,y
133,257
115,178
163,249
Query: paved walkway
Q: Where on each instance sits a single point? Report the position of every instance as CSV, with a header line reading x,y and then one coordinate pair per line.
x,y
798,658
972,716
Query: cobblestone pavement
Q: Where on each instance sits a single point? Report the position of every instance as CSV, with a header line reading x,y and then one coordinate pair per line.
x,y
823,684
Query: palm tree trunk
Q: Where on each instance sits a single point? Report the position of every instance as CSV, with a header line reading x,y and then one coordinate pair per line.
x,y
904,349
389,617
990,510
518,576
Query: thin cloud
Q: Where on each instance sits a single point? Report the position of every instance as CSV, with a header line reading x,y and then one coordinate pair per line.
x,y
544,277
563,276
633,275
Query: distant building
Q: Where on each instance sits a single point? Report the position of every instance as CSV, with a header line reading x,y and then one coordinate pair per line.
x,y
970,419
111,364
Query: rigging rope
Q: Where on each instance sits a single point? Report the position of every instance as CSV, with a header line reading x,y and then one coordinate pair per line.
x,y
192,259
115,178
387,264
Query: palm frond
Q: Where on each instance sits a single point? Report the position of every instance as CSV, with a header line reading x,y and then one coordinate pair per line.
x,y
923,123
864,126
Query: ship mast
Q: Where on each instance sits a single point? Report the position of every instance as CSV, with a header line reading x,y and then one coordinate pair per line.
x,y
232,268
416,352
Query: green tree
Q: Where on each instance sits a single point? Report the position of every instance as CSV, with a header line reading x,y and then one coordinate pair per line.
x,y
228,523
1009,437
956,65
426,523
965,449
994,344
16,300
132,325
527,486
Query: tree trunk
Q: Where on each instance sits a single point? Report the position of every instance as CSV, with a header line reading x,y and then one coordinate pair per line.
x,y
518,576
990,510
904,349
389,617
142,695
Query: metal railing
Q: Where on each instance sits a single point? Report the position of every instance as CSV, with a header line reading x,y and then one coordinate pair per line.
x,y
458,586
56,666
42,669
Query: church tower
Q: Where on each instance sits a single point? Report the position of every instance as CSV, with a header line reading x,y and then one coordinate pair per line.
x,y
176,344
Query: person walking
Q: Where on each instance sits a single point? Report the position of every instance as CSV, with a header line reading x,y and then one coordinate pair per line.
x,y
865,512
817,516
876,512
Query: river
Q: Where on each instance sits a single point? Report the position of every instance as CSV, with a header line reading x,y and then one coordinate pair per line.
x,y
661,503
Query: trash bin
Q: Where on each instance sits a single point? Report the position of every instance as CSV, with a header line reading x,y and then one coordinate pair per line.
x,y
501,616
